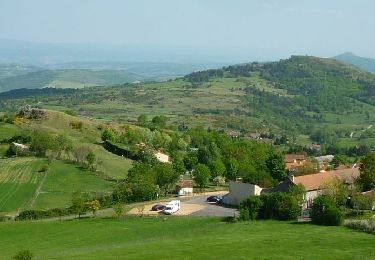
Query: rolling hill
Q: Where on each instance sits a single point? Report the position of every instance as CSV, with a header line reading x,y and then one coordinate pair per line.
x,y
38,183
309,99
367,64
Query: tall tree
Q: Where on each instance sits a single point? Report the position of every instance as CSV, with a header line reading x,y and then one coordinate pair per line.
x,y
201,175
276,166
367,176
166,176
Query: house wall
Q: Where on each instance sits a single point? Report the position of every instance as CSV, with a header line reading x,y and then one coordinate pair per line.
x,y
162,157
239,191
310,196
185,191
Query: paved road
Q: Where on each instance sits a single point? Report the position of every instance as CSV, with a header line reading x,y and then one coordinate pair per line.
x,y
210,209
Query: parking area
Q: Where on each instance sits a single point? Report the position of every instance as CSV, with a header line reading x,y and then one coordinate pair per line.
x,y
193,206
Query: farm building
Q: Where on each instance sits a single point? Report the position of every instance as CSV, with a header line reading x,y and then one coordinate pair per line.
x,y
239,191
161,157
184,188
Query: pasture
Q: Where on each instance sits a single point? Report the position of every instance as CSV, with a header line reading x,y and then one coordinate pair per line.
x,y
19,178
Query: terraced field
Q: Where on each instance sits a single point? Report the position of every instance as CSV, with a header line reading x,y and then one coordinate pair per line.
x,y
62,180
19,178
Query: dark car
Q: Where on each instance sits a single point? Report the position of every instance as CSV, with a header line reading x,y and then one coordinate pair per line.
x,y
158,207
214,199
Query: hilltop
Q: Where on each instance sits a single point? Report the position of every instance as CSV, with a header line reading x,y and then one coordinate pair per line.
x,y
367,64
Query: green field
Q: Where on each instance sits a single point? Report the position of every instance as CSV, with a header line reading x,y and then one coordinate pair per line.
x,y
183,238
7,131
62,180
19,178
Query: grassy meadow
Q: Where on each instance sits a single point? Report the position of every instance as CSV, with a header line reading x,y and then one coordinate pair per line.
x,y
182,238
19,179
62,179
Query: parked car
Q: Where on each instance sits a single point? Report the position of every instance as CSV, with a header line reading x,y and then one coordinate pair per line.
x,y
214,199
158,207
172,207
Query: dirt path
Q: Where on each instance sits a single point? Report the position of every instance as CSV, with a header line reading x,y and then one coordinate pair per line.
x,y
37,191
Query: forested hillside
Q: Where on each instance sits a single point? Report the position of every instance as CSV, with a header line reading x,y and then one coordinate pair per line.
x,y
301,100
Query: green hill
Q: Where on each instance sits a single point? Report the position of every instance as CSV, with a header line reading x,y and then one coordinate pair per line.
x,y
367,64
67,78
39,183
308,99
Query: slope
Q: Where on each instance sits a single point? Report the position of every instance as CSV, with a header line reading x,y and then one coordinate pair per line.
x,y
367,64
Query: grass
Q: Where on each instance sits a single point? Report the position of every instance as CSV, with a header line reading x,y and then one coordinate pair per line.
x,y
62,180
184,238
19,178
8,130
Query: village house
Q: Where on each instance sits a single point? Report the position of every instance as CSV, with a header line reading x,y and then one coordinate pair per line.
x,y
294,161
184,188
161,157
314,183
239,191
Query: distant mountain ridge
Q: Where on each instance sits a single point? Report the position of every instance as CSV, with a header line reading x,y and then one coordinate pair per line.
x,y
367,64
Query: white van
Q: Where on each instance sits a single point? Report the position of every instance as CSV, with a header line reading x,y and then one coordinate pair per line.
x,y
172,207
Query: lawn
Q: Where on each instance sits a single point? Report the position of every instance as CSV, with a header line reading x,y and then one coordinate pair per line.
x,y
19,178
182,238
8,130
62,180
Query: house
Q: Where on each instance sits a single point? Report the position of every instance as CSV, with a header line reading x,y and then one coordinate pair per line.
x,y
314,183
239,191
324,158
294,161
234,134
255,136
184,187
161,157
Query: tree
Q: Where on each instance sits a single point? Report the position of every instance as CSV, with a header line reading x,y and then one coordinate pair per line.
x,y
339,159
118,208
298,192
78,204
159,121
41,141
201,175
142,120
232,169
94,206
276,166
91,158
166,176
367,172
62,143
217,168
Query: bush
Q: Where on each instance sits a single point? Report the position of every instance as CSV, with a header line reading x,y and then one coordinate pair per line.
x,y
281,206
40,214
249,208
333,217
325,212
4,218
23,255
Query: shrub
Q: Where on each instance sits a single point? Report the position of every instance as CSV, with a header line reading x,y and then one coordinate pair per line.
x,y
4,218
23,255
325,212
281,206
249,208
333,217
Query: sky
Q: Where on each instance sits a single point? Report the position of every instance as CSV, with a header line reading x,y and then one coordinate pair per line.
x,y
241,29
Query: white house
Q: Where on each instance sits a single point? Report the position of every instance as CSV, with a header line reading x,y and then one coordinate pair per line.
x,y
161,157
239,191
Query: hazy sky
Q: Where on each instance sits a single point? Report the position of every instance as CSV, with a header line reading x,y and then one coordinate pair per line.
x,y
262,28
